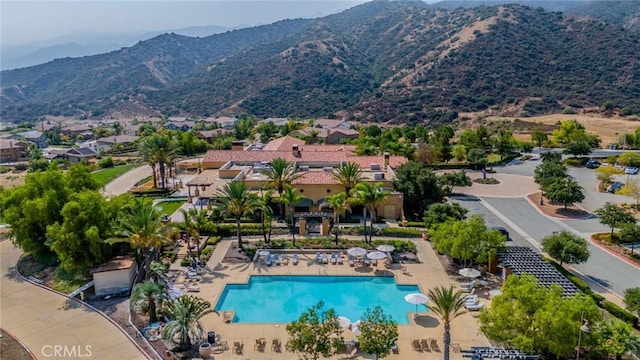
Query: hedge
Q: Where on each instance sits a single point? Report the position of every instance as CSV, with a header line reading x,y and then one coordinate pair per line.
x,y
400,232
213,240
578,282
620,313
415,224
171,255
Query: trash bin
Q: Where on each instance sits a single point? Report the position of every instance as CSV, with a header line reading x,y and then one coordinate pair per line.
x,y
211,337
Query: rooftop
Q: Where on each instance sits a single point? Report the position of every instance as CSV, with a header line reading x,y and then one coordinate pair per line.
x,y
117,263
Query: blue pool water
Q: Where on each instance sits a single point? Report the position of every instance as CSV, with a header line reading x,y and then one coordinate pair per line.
x,y
280,299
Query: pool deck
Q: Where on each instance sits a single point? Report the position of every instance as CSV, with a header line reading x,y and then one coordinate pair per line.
x,y
427,274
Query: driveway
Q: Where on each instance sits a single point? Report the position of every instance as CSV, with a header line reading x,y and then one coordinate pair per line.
x,y
47,322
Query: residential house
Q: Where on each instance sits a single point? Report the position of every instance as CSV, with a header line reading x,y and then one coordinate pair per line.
x,y
208,135
33,136
276,121
125,141
331,124
335,136
74,130
12,150
222,122
180,125
73,155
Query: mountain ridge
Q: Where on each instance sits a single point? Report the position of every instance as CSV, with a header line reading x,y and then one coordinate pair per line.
x,y
380,61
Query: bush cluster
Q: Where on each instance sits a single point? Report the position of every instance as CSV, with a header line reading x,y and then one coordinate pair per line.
x,y
620,313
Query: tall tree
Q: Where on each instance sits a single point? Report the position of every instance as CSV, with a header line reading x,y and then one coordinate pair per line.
x,y
238,201
290,197
451,179
149,295
378,332
566,247
448,304
140,227
632,300
632,190
370,197
504,143
266,213
349,175
160,150
442,212
566,191
614,216
316,332
539,138
419,186
338,203
279,174
186,313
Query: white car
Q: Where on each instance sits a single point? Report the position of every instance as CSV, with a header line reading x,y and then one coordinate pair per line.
x,y
631,170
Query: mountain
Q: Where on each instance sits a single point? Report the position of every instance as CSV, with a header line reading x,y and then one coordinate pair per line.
x,y
383,60
623,13
78,44
545,4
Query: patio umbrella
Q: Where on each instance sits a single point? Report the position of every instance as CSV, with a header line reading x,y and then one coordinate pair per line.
x,y
175,292
355,327
344,322
357,251
376,255
495,292
386,248
416,298
263,252
470,273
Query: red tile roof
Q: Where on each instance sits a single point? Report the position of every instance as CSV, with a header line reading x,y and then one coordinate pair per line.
x,y
285,143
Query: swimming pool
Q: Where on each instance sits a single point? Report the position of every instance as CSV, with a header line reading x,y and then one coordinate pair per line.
x,y
281,299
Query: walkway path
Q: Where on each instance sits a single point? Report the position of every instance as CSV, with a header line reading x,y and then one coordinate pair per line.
x,y
126,181
42,320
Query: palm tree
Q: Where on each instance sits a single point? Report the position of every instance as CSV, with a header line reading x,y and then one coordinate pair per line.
x,y
338,203
148,295
370,197
349,175
266,213
160,150
185,313
140,226
236,199
281,173
291,197
448,305
191,226
157,271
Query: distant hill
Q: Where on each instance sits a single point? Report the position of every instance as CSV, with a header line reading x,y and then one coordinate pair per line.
x,y
383,60
624,13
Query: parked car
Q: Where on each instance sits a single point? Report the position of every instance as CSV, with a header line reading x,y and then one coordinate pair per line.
x,y
631,170
613,188
593,164
502,230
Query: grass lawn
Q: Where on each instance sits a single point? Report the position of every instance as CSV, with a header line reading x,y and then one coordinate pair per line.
x,y
105,176
169,207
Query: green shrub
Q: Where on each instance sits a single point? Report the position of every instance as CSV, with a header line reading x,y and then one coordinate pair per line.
x,y
21,167
250,251
3,169
597,298
400,232
487,181
576,161
106,162
206,253
171,255
620,313
399,245
186,261
213,240
416,224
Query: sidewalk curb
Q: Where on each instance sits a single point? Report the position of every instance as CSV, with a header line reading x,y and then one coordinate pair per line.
x,y
601,246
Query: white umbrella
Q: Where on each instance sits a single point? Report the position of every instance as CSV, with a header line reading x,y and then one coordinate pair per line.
x,y
357,251
470,273
416,298
263,252
386,248
175,293
495,292
355,327
344,322
376,255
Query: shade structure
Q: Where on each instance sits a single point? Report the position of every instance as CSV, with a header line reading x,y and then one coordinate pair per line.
x,y
344,322
470,273
416,298
263,252
386,248
376,255
357,251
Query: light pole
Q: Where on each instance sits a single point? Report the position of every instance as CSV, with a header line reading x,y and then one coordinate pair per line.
x,y
584,328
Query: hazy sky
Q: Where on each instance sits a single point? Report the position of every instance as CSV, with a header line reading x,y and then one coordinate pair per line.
x,y
24,21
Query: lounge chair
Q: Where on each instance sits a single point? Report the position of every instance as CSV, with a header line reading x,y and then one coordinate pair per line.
x,y
352,261
366,261
276,345
374,262
471,302
474,307
415,344
294,259
318,258
339,259
471,297
276,259
405,270
424,343
227,316
334,260
324,258
394,349
268,260
260,344
238,347
191,288
434,345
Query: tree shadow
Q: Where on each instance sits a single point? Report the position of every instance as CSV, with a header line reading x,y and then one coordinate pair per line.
x,y
426,321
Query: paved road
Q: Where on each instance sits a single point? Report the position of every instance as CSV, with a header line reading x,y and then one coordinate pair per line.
x,y
43,320
126,181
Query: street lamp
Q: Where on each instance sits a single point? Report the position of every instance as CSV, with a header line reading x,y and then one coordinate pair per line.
x,y
584,328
